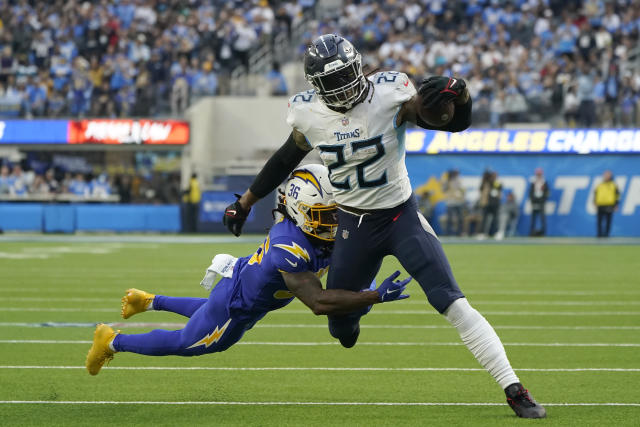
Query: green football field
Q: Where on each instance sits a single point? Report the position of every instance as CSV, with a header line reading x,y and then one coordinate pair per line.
x,y
569,316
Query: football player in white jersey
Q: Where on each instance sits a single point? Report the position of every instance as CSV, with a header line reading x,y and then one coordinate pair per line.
x,y
357,123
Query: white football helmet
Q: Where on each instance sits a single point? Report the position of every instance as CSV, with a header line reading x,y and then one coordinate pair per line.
x,y
308,200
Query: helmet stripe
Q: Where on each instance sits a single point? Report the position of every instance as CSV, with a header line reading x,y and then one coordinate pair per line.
x,y
308,176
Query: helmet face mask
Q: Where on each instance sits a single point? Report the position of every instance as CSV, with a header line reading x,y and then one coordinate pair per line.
x,y
321,221
309,202
334,69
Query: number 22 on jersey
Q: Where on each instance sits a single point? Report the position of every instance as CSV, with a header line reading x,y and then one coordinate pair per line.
x,y
343,155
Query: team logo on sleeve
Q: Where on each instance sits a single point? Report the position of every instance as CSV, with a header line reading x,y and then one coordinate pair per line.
x,y
213,337
295,250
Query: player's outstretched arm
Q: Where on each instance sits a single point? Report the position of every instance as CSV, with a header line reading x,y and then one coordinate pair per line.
x,y
308,289
276,170
434,91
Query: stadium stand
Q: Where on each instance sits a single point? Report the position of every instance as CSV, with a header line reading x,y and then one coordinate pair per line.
x,y
127,57
570,63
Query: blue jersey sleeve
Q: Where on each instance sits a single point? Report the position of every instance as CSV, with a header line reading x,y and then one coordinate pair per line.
x,y
290,255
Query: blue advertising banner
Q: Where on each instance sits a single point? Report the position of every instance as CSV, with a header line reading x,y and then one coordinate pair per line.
x,y
572,180
523,141
33,131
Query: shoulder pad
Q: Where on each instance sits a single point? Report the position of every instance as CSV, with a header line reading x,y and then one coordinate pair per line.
x,y
302,97
297,115
394,87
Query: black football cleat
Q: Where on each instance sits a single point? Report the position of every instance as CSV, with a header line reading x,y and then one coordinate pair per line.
x,y
351,340
522,403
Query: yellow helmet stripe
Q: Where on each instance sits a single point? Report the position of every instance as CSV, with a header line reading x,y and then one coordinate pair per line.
x,y
307,176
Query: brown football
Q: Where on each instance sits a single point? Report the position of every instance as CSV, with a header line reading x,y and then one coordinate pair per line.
x,y
438,116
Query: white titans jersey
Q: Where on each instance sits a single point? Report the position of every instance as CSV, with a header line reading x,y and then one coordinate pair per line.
x,y
363,148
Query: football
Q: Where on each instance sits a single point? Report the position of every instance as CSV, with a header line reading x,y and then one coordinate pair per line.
x,y
439,115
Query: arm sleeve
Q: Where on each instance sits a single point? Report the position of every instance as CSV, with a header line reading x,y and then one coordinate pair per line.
x,y
461,119
277,168
288,256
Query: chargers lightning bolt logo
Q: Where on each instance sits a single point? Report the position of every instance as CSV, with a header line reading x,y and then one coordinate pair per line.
x,y
307,176
295,250
213,337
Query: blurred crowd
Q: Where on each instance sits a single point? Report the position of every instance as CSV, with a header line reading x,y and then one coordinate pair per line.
x,y
127,57
572,62
19,181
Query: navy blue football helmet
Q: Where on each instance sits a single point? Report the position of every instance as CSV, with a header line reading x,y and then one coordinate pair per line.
x,y
334,68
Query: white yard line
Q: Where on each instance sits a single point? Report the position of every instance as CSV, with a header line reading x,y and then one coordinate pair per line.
x,y
122,324
314,368
410,302
377,311
146,402
500,292
331,343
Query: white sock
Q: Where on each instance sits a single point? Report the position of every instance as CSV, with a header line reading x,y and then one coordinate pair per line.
x,y
483,342
111,347
150,305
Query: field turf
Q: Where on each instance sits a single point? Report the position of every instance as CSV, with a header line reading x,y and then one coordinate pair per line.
x,y
569,316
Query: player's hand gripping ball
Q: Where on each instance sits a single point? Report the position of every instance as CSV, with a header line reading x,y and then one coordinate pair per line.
x,y
439,115
439,95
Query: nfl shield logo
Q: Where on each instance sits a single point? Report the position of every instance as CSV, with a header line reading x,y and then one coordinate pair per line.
x,y
345,234
345,121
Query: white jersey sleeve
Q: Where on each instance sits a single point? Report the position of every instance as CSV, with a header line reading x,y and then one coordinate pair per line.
x,y
299,111
397,86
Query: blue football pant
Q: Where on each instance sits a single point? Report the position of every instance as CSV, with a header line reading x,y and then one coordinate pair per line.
x,y
363,241
210,327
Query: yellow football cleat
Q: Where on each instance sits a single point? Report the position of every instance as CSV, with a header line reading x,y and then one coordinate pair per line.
x,y
135,301
99,353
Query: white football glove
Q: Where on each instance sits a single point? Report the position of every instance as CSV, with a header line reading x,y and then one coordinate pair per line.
x,y
221,264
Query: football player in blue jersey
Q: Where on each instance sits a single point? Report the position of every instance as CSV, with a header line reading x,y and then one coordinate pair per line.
x,y
288,264
357,125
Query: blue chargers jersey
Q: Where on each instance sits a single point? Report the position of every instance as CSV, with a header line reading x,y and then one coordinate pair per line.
x,y
259,285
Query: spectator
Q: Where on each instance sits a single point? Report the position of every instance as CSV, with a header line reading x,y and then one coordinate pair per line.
x,y
123,187
180,87
6,181
36,101
586,96
79,187
102,101
570,107
277,82
52,183
205,81
18,183
509,214
99,187
192,198
454,194
538,195
8,63
492,190
606,198
39,186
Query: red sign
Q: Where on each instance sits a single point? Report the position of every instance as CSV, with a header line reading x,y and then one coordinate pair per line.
x,y
128,131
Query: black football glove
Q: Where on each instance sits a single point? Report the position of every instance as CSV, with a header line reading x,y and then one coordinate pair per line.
x,y
437,90
235,216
